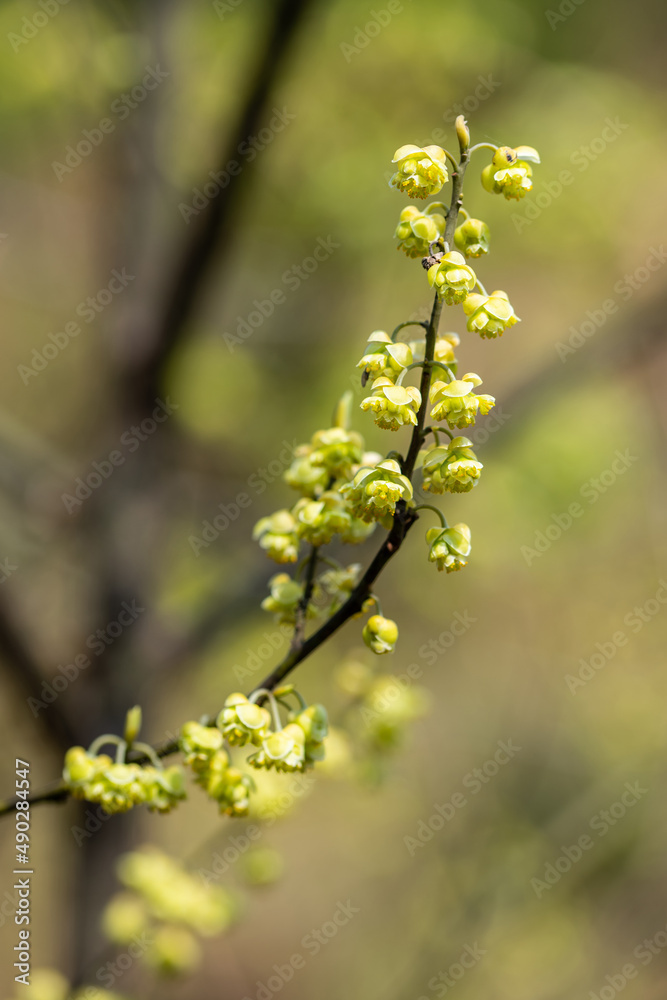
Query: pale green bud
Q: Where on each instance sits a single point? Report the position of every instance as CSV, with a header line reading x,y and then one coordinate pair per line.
x,y
472,238
132,724
380,634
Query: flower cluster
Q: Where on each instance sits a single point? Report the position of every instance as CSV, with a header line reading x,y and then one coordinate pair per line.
x,y
212,766
169,906
296,746
118,786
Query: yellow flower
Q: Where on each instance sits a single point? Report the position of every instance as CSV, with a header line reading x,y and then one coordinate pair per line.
x,y
420,171
452,278
393,405
456,403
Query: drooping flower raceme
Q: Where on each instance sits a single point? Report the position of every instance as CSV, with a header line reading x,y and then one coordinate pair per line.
x,y
452,469
490,314
420,171
456,402
452,278
449,547
374,493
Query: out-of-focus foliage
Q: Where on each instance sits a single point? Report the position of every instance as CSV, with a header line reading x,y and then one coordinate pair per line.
x,y
545,658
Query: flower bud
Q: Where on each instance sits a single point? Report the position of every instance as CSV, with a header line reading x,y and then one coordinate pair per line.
x,y
132,724
472,238
462,133
380,634
420,171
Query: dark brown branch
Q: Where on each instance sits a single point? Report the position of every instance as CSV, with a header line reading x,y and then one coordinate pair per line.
x,y
213,227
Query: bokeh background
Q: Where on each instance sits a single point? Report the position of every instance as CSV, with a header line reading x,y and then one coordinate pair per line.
x,y
580,379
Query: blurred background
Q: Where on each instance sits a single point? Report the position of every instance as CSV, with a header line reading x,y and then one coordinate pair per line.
x,y
168,167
